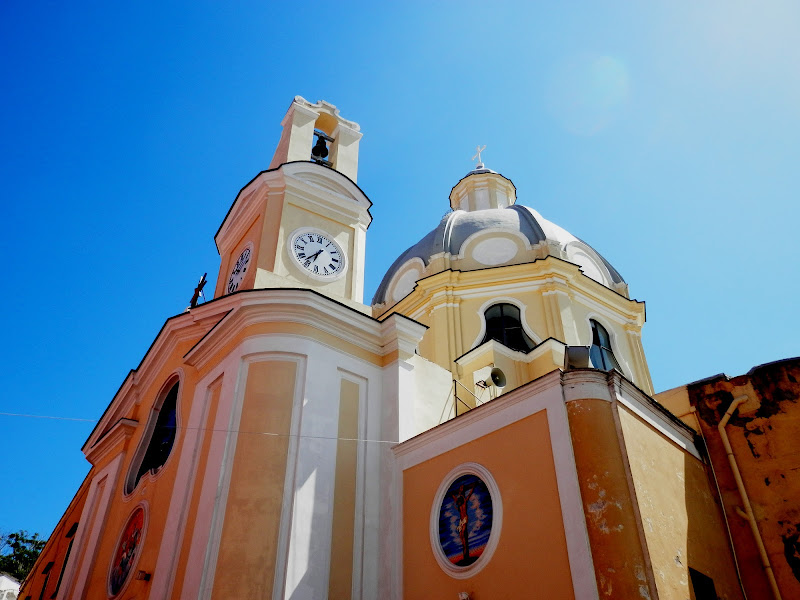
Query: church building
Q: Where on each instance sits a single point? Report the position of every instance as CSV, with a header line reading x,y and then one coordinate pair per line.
x,y
484,428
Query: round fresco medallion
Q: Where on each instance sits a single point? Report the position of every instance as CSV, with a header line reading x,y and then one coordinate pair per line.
x,y
127,551
465,520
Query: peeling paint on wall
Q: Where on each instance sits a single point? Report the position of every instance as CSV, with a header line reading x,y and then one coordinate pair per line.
x,y
790,534
763,434
597,511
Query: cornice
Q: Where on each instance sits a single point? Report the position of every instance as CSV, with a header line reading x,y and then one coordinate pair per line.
x,y
489,348
583,384
192,324
249,199
328,195
580,384
546,275
247,209
290,305
322,105
121,431
291,175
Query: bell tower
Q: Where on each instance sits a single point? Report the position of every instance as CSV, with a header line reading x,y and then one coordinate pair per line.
x,y
303,222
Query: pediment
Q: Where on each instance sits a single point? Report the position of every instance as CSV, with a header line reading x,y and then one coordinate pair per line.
x,y
326,180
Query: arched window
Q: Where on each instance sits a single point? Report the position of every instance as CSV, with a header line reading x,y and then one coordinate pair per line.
x,y
159,439
504,325
600,352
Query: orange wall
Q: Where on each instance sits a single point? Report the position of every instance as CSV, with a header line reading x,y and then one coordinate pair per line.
x,y
531,557
619,560
155,491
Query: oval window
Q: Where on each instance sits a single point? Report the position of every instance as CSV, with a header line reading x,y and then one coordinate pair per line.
x,y
158,439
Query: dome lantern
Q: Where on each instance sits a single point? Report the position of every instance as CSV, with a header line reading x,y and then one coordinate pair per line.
x,y
482,189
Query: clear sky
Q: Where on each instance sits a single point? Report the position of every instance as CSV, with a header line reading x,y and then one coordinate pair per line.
x,y
665,134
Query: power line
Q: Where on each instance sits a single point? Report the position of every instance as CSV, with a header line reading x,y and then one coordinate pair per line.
x,y
214,430
8,414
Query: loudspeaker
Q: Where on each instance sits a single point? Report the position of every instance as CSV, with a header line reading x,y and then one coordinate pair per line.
x,y
498,378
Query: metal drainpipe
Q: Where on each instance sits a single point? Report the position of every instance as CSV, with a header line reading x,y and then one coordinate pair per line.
x,y
748,509
693,412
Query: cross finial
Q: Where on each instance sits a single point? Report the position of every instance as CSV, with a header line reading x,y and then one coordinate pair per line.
x,y
478,156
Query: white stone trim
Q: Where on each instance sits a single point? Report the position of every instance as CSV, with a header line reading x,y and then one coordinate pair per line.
x,y
178,377
122,430
185,482
194,578
359,518
305,307
90,527
470,468
404,269
489,233
290,474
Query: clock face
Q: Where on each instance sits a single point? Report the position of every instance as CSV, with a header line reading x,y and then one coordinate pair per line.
x,y
317,254
237,275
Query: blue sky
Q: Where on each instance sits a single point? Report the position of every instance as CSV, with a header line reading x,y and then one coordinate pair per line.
x,y
665,134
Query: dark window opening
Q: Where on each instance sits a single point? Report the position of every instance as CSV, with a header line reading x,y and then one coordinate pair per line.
x,y
44,585
72,530
702,585
162,437
64,565
504,325
600,352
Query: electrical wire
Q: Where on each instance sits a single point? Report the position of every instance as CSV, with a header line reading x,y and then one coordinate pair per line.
x,y
214,430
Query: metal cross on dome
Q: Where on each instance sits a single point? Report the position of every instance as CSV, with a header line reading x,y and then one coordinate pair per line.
x,y
478,156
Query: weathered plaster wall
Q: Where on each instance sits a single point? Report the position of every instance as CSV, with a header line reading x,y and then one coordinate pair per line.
x,y
763,434
680,517
619,559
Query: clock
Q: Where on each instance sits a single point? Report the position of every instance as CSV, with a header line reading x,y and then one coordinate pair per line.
x,y
237,274
317,254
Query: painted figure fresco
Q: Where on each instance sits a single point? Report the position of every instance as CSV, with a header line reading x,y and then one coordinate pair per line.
x,y
126,553
465,520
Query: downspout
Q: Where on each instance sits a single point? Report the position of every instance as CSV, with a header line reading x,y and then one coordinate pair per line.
x,y
748,509
693,412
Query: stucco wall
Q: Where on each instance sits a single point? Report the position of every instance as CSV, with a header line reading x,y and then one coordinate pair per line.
x,y
763,434
680,517
531,559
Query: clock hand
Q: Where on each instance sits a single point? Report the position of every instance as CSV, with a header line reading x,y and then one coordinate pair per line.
x,y
315,255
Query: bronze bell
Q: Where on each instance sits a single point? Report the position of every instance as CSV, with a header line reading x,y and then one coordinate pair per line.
x,y
320,149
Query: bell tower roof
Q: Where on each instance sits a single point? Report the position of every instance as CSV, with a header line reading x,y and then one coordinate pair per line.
x,y
305,121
